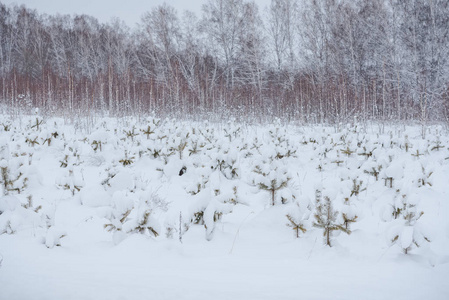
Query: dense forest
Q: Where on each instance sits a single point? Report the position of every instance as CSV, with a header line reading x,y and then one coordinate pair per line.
x,y
324,61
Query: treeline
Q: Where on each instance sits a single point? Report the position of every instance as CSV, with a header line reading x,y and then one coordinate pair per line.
x,y
314,61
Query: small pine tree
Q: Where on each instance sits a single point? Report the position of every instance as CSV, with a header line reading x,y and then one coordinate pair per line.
x,y
273,179
296,225
37,123
425,178
348,213
128,160
326,218
357,187
12,178
29,204
71,181
151,129
374,171
348,151
407,234
131,133
117,221
179,144
144,225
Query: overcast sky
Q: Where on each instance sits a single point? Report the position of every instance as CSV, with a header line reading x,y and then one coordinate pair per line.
x,y
129,11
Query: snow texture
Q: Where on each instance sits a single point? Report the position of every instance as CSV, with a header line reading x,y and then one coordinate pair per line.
x,y
201,210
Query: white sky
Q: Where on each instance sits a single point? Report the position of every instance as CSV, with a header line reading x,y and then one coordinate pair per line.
x,y
129,11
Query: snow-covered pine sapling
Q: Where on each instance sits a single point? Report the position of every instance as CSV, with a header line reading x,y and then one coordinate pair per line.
x,y
148,131
195,148
338,161
195,189
325,151
356,187
71,182
155,150
297,226
217,197
212,214
200,183
144,225
37,123
127,160
283,148
313,141
393,172
391,142
32,141
6,126
12,178
53,237
5,176
96,145
72,149
117,221
4,158
132,215
70,158
219,205
179,145
406,143
6,181
417,154
398,204
99,138
198,218
46,137
227,164
64,162
407,233
232,133
234,199
131,133
8,228
272,178
326,218
296,219
29,204
209,135
151,129
389,181
111,172
348,213
436,145
366,153
425,178
347,151
256,145
374,171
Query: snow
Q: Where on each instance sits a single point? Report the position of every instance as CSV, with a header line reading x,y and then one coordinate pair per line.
x,y
406,237
147,230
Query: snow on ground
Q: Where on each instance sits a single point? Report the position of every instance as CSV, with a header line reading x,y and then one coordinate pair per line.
x,y
98,213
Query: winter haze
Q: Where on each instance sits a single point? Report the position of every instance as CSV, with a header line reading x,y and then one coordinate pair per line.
x,y
129,11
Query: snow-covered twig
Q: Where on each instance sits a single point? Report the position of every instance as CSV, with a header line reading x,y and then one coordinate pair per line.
x,y
237,232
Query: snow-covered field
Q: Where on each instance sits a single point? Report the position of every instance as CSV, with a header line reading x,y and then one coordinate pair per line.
x,y
180,210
